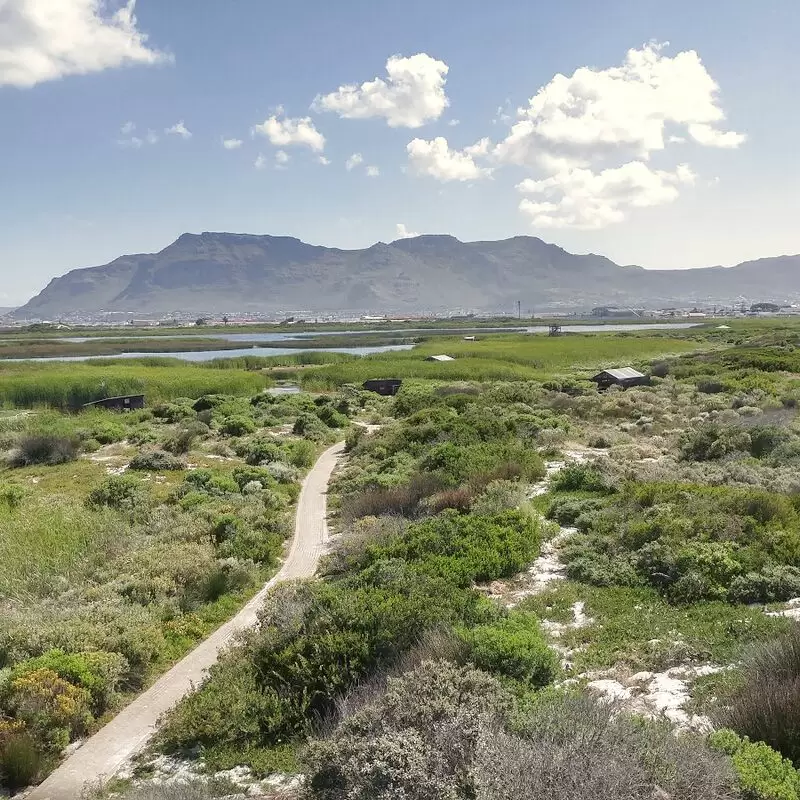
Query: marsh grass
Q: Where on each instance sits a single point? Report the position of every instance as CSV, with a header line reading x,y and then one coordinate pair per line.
x,y
69,386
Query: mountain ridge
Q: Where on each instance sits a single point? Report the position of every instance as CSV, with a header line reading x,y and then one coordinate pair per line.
x,y
221,271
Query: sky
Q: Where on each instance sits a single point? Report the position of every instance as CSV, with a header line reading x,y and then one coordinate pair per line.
x,y
657,133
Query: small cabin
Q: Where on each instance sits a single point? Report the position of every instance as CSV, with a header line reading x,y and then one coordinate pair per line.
x,y
469,339
128,402
388,387
555,329
440,358
624,377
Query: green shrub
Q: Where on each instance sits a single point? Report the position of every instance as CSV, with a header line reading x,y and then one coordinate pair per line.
x,y
514,647
123,492
302,454
310,426
762,772
579,477
20,761
97,672
263,451
237,426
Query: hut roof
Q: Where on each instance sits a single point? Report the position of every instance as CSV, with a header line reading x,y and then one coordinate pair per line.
x,y
620,373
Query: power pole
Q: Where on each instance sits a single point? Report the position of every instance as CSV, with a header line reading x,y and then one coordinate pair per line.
x,y
519,309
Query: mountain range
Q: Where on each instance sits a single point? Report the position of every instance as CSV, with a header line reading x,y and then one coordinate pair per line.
x,y
229,273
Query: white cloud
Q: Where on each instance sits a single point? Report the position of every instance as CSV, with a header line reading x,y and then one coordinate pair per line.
x,y
411,95
232,144
127,128
129,140
44,40
353,161
437,159
453,122
260,162
151,137
711,137
324,161
283,132
403,232
373,172
132,141
281,159
581,198
618,111
179,129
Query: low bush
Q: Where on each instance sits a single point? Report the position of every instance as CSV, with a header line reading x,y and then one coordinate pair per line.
x,y
763,774
20,761
514,647
403,500
766,706
237,426
123,492
45,449
263,451
301,454
156,461
579,477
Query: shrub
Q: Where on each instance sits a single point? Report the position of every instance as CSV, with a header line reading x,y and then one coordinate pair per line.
x,y
763,774
579,477
459,499
97,672
574,747
353,437
310,426
156,461
46,449
499,496
302,454
332,418
19,761
766,707
514,647
237,426
263,451
123,492
415,741
403,500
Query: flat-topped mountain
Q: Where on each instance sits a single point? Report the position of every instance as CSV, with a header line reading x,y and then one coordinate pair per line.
x,y
218,272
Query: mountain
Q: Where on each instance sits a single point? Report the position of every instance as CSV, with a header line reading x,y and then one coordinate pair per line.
x,y
226,272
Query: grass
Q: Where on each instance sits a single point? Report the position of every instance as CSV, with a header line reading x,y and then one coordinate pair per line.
x,y
68,386
635,628
502,358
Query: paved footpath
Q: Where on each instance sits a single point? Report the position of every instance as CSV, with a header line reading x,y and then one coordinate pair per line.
x,y
102,756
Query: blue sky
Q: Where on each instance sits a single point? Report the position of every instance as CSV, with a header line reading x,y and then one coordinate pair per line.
x,y
675,160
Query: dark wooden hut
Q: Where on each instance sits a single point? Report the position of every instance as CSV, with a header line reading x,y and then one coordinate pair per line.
x,y
621,376
128,402
387,387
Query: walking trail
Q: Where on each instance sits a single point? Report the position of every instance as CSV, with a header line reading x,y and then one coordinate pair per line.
x,y
102,756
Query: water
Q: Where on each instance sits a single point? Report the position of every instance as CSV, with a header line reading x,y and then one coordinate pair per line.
x,y
293,337
210,355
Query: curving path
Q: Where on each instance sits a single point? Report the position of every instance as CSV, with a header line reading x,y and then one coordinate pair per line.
x,y
102,756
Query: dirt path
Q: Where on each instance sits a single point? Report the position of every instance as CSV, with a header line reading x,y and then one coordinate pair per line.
x,y
101,757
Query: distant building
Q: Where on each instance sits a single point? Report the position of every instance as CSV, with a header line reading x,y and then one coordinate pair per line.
x,y
130,402
469,338
622,376
388,387
440,358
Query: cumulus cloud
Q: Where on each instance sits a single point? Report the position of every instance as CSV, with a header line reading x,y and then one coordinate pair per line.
x,y
581,198
44,40
621,110
281,159
286,131
590,135
412,94
260,162
129,139
324,161
373,172
179,129
353,161
436,159
403,232
232,144
127,128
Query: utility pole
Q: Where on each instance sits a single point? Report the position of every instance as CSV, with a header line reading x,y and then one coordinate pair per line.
x,y
519,309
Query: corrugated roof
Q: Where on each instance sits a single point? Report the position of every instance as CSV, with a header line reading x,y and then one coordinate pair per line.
x,y
440,358
622,373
